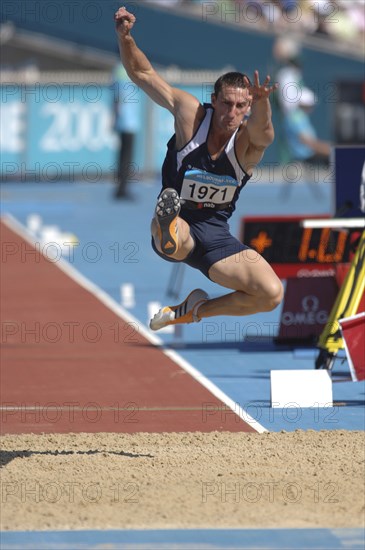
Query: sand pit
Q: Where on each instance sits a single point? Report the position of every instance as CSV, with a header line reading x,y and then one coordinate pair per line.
x,y
192,480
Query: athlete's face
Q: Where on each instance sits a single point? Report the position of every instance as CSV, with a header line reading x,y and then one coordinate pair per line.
x,y
230,107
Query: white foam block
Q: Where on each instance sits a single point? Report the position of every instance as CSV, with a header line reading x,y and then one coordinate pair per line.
x,y
34,223
304,388
127,295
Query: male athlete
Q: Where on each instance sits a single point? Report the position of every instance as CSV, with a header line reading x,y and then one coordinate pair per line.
x,y
209,159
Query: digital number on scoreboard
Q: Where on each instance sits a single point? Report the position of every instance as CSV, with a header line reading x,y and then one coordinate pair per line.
x,y
288,246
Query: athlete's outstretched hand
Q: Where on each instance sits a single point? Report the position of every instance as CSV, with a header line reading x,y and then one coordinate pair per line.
x,y
124,21
260,91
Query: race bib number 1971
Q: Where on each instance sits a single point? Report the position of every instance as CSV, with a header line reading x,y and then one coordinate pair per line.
x,y
200,186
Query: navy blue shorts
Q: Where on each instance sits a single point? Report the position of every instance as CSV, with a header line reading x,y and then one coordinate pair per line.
x,y
213,242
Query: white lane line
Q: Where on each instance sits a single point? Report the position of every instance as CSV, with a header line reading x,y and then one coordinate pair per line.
x,y
110,303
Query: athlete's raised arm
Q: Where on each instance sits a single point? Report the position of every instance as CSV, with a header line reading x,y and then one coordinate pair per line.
x,y
259,125
140,71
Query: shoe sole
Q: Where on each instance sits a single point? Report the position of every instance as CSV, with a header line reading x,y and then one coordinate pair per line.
x,y
167,210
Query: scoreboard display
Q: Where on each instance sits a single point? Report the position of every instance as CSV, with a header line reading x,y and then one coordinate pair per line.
x,y
293,250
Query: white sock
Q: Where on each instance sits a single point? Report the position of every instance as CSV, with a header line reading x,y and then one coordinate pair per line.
x,y
195,311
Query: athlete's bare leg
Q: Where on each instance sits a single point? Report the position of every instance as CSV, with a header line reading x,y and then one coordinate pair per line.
x,y
257,287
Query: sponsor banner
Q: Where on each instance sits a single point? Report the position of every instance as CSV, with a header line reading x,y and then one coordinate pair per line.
x,y
307,305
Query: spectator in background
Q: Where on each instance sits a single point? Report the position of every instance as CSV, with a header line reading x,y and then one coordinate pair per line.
x,y
342,20
306,150
301,136
127,123
288,75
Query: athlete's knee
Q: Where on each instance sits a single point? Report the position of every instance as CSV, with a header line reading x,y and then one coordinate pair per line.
x,y
274,294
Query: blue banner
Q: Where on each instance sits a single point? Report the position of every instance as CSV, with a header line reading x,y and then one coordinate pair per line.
x,y
59,131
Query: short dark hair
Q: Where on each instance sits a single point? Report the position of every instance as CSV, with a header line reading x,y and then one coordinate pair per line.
x,y
233,79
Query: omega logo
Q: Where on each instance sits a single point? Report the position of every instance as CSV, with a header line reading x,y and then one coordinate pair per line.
x,y
309,315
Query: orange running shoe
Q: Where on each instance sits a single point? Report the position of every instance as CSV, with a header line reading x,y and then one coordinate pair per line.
x,y
167,210
186,312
